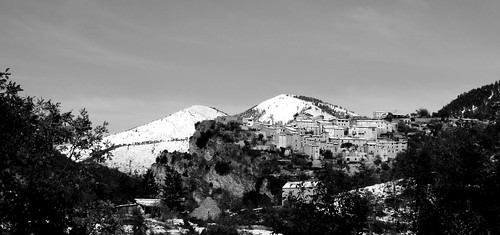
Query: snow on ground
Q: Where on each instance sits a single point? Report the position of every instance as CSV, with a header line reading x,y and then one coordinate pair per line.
x,y
176,226
179,125
258,231
380,193
384,189
132,158
315,111
139,147
281,108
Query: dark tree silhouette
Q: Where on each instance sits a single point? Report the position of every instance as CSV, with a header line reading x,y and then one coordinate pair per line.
x,y
171,189
452,179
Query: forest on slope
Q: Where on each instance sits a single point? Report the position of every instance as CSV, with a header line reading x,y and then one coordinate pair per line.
x,y
481,103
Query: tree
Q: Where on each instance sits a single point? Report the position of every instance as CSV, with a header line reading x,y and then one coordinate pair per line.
x,y
327,154
421,112
223,167
334,210
389,117
150,188
40,186
452,180
172,191
347,145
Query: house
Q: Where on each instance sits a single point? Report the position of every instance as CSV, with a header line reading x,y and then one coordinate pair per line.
x,y
148,204
301,190
380,114
248,121
269,132
324,124
334,131
227,119
297,140
284,140
342,122
365,132
353,156
381,125
312,150
390,148
262,147
354,141
370,148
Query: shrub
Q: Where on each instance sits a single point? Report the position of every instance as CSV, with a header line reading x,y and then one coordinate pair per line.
x,y
227,138
255,199
223,168
202,141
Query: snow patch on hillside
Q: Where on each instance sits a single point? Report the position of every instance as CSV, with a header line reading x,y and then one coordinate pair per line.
x,y
179,125
138,158
283,107
138,148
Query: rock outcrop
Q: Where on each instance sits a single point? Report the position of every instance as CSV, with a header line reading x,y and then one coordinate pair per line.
x,y
207,210
237,184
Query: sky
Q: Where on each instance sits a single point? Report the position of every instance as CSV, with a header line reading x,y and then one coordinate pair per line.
x,y
131,62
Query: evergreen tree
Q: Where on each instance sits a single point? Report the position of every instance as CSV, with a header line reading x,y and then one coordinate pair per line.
x,y
150,187
172,191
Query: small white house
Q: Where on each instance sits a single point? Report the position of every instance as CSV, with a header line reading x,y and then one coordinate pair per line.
x,y
302,190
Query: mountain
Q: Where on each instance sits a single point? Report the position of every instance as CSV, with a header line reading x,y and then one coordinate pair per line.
x,y
282,108
481,103
137,148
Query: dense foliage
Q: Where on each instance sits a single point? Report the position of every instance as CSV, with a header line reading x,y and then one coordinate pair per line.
x,y
335,209
43,191
453,181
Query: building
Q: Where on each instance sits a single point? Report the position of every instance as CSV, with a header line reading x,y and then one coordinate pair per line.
x,y
269,132
284,140
365,132
227,119
371,148
381,125
148,204
299,190
342,122
380,114
248,121
334,131
355,141
297,140
390,148
312,150
353,156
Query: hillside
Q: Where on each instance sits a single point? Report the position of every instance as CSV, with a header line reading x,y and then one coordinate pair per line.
x,y
138,148
481,103
216,166
178,125
282,108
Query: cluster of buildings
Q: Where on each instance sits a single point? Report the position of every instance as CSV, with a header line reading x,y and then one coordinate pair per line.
x,y
356,140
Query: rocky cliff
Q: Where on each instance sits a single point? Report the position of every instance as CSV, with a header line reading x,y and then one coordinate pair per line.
x,y
215,165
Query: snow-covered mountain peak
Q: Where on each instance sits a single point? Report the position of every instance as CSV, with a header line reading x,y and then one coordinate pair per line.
x,y
136,149
282,108
179,125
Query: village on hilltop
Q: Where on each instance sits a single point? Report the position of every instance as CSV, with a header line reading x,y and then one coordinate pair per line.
x,y
355,140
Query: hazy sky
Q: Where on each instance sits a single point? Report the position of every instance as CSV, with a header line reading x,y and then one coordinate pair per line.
x,y
130,62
